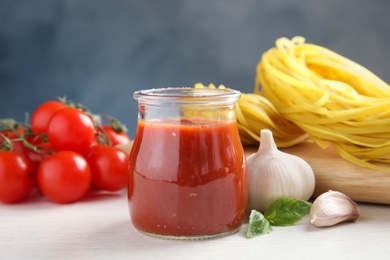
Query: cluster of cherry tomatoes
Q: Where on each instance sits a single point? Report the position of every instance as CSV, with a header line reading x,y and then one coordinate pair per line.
x,y
63,151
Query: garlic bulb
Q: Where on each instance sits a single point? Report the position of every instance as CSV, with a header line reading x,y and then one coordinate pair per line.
x,y
126,147
273,174
331,208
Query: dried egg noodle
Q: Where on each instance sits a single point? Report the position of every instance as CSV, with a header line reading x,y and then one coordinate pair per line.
x,y
254,113
307,92
331,98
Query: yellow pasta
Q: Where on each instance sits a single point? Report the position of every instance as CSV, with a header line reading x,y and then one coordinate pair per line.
x,y
331,98
254,113
307,92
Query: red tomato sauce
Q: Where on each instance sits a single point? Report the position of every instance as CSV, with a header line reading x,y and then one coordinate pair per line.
x,y
187,179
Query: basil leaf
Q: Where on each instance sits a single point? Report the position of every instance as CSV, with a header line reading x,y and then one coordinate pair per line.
x,y
286,211
258,225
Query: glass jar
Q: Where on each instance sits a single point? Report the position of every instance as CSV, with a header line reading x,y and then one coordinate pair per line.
x,y
187,169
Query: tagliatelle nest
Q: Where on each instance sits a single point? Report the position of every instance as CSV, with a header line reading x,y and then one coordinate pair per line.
x,y
305,91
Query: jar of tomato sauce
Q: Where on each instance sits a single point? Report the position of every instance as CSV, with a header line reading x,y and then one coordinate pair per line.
x,y
187,169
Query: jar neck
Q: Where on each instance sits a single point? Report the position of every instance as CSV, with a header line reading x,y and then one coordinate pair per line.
x,y
187,103
175,112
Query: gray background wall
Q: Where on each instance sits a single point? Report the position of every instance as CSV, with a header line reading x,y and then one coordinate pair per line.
x,y
99,52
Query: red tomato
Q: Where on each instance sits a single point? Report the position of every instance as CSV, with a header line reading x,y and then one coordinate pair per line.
x,y
45,150
16,178
64,177
71,129
42,114
19,146
116,137
9,134
109,167
93,148
37,157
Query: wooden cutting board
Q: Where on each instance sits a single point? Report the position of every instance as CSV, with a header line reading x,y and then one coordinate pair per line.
x,y
334,173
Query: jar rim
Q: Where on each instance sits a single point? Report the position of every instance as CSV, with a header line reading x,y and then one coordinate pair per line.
x,y
187,95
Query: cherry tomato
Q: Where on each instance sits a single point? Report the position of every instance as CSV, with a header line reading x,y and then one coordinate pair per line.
x,y
109,168
19,146
42,114
10,134
45,150
36,157
64,177
16,177
116,137
71,129
93,148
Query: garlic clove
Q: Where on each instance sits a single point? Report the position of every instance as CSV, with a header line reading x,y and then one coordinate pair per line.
x,y
331,208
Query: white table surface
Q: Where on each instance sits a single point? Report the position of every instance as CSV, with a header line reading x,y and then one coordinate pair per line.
x,y
99,227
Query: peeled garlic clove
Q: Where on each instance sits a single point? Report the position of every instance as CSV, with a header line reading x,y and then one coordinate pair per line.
x,y
331,208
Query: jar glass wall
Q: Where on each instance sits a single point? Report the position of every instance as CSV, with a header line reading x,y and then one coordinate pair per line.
x,y
187,169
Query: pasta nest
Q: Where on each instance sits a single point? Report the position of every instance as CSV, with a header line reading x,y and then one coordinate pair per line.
x,y
305,92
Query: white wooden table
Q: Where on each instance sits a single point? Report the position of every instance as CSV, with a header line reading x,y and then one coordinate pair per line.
x,y
99,227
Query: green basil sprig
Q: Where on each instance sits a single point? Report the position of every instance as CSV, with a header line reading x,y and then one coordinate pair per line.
x,y
282,212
